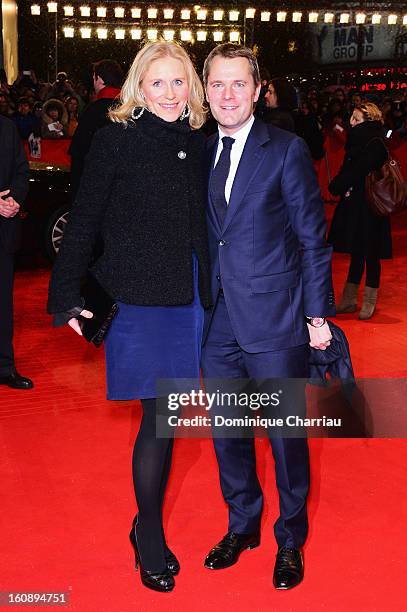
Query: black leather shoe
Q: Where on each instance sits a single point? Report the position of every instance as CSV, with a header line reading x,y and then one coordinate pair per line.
x,y
173,565
16,381
289,568
162,581
228,551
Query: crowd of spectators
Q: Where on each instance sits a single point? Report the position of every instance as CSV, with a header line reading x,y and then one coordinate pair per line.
x,y
46,110
52,110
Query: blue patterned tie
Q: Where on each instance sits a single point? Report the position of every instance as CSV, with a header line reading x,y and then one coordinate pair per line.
x,y
219,177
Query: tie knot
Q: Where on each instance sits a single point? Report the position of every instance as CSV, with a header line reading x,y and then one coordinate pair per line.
x,y
227,142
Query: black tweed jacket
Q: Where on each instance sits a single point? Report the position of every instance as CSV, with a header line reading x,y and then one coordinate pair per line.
x,y
143,191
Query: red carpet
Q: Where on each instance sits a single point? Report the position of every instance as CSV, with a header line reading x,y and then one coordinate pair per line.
x,y
67,499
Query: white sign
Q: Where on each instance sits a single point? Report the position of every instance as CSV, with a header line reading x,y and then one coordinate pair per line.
x,y
339,43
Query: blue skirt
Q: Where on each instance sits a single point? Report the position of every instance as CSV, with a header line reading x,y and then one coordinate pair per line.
x,y
148,343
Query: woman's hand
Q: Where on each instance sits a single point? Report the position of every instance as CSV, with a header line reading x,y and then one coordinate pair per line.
x,y
74,323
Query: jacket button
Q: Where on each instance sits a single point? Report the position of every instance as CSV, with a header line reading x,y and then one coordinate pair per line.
x,y
222,243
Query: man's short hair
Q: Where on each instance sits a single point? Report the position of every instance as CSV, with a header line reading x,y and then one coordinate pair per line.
x,y
230,51
110,72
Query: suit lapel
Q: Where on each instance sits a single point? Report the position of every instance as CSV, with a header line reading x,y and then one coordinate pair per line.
x,y
252,156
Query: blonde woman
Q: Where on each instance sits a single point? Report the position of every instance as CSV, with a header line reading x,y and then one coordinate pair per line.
x,y
355,229
142,190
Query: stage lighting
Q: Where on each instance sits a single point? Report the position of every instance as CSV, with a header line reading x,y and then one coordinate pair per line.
x,y
185,14
313,17
102,33
218,36
218,15
35,9
281,15
119,12
392,19
344,18
135,33
297,16
250,13
85,11
120,33
52,7
68,11
201,14
152,34
265,16
152,13
234,36
86,32
136,13
329,17
201,35
360,18
68,32
168,14
101,11
233,15
376,18
186,35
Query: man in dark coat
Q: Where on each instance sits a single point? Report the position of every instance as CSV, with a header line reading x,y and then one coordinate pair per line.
x,y
14,174
107,80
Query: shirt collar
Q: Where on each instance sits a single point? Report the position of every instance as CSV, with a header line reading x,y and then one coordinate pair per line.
x,y
241,135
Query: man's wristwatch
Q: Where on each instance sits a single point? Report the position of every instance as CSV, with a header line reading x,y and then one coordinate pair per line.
x,y
315,321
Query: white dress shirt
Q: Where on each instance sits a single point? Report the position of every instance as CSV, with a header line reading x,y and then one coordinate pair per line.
x,y
240,138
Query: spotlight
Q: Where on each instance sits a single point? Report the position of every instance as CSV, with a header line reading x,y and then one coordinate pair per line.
x,y
265,16
68,11
234,36
52,7
392,19
135,33
35,9
218,15
169,34
201,14
101,11
313,17
185,14
233,15
218,36
68,32
168,14
120,33
250,13
360,18
297,16
281,16
85,11
186,35
152,13
201,35
344,18
376,18
136,13
329,17
86,32
152,34
102,33
119,12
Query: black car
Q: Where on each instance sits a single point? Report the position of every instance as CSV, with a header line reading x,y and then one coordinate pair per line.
x,y
46,209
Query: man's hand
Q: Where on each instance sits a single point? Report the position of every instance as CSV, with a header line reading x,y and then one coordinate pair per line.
x,y
320,337
8,206
74,323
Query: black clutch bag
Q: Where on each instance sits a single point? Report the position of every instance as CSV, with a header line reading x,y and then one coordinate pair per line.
x,y
104,310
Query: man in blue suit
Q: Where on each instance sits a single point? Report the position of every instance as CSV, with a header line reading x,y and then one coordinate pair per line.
x,y
272,288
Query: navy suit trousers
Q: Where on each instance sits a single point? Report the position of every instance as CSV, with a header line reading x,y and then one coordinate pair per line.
x,y
223,358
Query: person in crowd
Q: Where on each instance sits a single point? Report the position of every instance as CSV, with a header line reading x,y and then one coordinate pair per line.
x,y
356,99
61,87
281,101
24,119
14,175
355,229
25,81
308,127
107,80
4,86
72,108
143,190
271,289
54,120
37,111
5,107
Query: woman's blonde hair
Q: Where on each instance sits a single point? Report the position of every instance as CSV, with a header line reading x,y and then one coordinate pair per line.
x,y
131,95
370,111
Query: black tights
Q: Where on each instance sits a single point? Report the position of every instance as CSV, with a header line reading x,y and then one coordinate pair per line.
x,y
151,468
357,267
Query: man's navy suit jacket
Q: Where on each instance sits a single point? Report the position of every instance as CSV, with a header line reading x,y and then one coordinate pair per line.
x,y
271,254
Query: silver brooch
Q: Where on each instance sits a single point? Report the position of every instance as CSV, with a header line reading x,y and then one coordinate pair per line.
x,y
182,154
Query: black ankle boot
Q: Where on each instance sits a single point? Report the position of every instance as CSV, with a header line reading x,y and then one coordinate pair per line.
x,y
162,581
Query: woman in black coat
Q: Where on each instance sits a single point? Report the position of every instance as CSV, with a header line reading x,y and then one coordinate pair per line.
x,y
355,229
142,191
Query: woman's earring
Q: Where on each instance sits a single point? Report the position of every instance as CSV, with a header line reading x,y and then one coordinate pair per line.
x,y
185,113
134,116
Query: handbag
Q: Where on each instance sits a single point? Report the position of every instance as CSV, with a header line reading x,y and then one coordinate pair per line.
x,y
386,189
103,307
